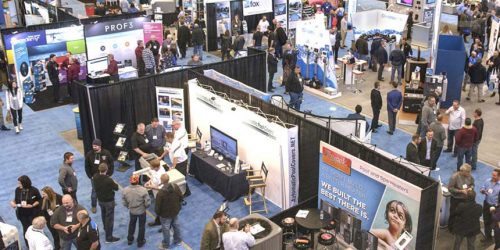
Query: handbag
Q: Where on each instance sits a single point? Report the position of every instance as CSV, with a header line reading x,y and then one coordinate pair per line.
x,y
8,118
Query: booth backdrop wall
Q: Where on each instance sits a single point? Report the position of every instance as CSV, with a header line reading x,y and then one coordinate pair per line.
x,y
451,49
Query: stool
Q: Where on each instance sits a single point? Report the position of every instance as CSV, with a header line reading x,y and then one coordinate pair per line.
x,y
326,240
357,79
288,230
302,243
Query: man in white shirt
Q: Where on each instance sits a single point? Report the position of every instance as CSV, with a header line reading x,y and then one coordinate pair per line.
x,y
456,121
263,24
180,133
238,240
178,157
155,183
37,240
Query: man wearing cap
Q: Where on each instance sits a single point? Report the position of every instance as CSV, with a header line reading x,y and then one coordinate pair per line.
x,y
155,132
93,158
105,188
136,199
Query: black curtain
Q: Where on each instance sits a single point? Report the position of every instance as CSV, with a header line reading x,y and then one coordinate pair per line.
x,y
253,21
211,26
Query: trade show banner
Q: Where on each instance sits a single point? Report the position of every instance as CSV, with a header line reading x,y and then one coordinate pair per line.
x,y
294,13
210,73
378,21
117,37
258,140
223,16
254,7
493,43
374,200
170,106
280,12
155,29
22,63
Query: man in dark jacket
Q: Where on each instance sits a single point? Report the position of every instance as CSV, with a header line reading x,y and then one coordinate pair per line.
x,y
53,71
382,60
397,59
168,206
479,125
295,87
467,224
412,149
464,140
373,52
407,51
335,39
93,158
105,188
198,39
427,148
362,48
478,76
281,39
183,38
394,101
272,68
376,103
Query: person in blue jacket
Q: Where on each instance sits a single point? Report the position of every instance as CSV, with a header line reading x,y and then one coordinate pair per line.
x,y
394,101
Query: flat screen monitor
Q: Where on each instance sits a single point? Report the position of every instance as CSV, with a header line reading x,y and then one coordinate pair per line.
x,y
98,64
223,144
408,3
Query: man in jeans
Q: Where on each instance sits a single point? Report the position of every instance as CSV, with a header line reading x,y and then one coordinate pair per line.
x,y
65,222
394,102
168,206
464,140
272,68
149,60
198,39
105,188
295,86
136,199
456,120
478,76
92,160
397,59
479,125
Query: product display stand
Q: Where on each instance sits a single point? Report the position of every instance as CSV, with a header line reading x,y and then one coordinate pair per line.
x,y
39,77
120,145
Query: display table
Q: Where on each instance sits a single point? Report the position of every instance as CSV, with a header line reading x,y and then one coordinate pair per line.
x,y
312,222
127,73
98,79
204,168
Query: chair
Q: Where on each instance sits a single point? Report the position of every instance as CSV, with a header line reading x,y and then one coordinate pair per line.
x,y
257,179
289,229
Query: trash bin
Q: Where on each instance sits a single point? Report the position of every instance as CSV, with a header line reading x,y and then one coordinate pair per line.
x,y
79,133
444,214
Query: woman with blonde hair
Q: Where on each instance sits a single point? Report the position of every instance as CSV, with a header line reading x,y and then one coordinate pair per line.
x,y
446,30
50,201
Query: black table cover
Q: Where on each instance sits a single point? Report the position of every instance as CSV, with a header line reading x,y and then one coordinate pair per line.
x,y
204,168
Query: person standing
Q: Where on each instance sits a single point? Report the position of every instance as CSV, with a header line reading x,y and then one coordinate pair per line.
x,y
343,30
456,120
93,158
335,42
124,6
295,87
439,136
73,74
493,67
376,42
198,39
112,69
67,176
178,157
155,133
237,26
479,125
460,183
376,103
407,51
272,68
238,44
467,224
428,115
362,49
382,60
271,38
105,187
262,25
394,102
26,202
426,149
235,239
257,37
37,240
183,34
136,200
397,59
409,25
53,72
149,60
140,144
281,39
88,233
168,206
478,76
412,154
155,49
50,202
65,222
14,99
141,68
225,46
490,190
213,232
155,184
465,139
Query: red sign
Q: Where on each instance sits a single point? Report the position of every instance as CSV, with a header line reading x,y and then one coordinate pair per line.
x,y
338,161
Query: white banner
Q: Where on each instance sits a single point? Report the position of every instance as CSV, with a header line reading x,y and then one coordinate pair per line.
x,y
378,21
170,105
293,167
254,7
492,44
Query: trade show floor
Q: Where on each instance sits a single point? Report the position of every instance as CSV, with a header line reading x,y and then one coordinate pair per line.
x,y
37,152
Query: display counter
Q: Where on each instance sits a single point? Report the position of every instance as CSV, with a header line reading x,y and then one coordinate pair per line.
x,y
127,73
270,238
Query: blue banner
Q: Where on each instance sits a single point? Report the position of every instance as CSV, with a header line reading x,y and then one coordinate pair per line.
x,y
30,38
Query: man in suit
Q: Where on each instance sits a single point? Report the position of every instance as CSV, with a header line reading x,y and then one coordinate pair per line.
x,y
412,149
394,102
183,38
426,149
212,234
376,101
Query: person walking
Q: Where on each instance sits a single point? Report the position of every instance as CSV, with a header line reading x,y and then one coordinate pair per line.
x,y
397,59
183,34
394,102
93,159
295,87
467,224
456,120
465,139
14,100
225,47
136,200
479,125
198,40
478,76
382,60
439,136
272,68
376,103
53,72
167,207
490,190
105,188
26,202
67,176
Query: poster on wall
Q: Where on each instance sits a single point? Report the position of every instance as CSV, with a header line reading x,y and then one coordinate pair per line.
x,y
223,17
118,37
367,201
294,13
254,7
170,106
280,12
493,43
151,29
22,64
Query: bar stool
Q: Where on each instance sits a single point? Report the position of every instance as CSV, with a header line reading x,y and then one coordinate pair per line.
x,y
302,243
326,240
289,230
358,78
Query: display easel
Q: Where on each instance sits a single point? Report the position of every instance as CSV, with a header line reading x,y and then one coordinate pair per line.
x,y
121,147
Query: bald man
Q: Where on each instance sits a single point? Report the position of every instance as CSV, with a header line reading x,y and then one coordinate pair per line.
x,y
140,144
36,237
65,222
88,234
238,240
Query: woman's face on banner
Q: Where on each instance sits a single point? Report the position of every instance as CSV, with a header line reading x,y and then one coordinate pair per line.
x,y
396,217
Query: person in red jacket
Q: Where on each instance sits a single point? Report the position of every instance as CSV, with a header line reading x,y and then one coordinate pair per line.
x,y
73,74
141,68
112,68
464,140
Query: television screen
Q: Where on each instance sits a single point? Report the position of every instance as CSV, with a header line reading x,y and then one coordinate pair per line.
x,y
223,144
98,64
405,2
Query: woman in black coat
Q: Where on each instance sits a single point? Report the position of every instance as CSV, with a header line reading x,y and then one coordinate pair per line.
x,y
26,202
